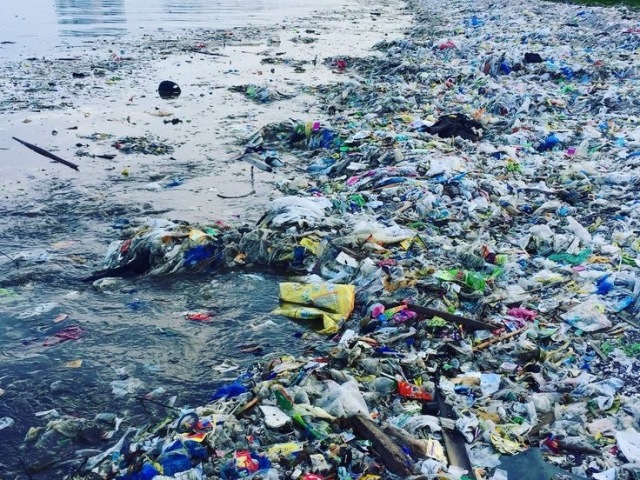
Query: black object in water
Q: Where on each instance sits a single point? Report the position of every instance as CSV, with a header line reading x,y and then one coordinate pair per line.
x,y
168,90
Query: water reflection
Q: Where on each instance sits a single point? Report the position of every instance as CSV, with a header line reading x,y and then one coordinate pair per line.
x,y
187,6
212,6
91,18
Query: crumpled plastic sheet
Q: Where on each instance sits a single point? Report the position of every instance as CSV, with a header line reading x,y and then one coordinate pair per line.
x,y
628,442
332,304
343,400
261,93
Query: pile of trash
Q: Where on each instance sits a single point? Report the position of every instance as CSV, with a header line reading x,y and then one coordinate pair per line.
x,y
464,230
260,94
143,145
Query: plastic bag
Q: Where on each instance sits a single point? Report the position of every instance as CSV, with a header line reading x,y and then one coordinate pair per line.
x,y
292,210
323,301
467,425
483,456
588,316
629,444
6,422
243,464
343,400
193,474
579,231
471,279
605,391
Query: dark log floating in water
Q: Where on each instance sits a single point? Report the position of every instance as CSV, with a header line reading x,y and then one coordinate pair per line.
x,y
44,153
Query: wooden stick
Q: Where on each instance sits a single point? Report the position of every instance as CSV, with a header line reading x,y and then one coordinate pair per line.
x,y
390,454
417,446
469,323
454,441
248,406
44,153
405,206
498,339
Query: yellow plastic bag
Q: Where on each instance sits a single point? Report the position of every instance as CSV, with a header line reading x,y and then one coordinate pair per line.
x,y
312,245
502,443
317,301
285,450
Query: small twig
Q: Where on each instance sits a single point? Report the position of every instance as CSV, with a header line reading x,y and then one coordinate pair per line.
x,y
143,399
10,258
252,192
598,351
499,339
405,206
617,330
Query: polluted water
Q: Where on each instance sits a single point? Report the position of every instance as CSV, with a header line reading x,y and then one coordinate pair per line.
x,y
84,85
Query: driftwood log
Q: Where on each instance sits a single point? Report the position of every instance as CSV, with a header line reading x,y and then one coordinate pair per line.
x,y
417,446
390,454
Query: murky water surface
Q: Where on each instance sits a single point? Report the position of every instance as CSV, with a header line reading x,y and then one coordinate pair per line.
x,y
76,75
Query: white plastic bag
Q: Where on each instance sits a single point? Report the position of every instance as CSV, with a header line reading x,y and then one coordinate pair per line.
x,y
629,444
343,400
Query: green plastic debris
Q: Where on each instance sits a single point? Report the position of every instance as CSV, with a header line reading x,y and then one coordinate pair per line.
x,y
606,348
469,278
358,199
570,258
7,296
628,260
437,322
632,350
473,280
285,403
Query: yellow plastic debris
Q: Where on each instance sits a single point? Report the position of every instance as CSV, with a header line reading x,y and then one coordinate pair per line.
x,y
504,445
284,450
312,245
436,451
317,301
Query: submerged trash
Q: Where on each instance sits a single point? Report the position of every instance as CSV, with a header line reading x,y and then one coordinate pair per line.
x,y
142,145
260,94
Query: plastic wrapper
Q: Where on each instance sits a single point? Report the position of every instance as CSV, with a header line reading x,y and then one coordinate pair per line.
x,y
588,316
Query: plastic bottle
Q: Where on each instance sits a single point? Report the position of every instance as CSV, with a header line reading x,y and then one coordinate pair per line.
x,y
383,385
